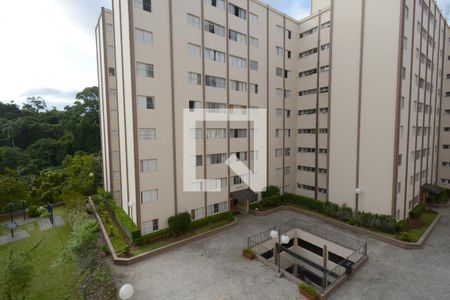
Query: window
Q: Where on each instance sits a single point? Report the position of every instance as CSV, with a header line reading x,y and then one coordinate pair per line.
x,y
403,73
236,180
214,28
254,42
279,92
143,4
216,3
149,165
289,53
253,65
112,72
242,156
279,72
194,50
326,25
405,43
110,50
143,37
287,152
237,37
194,78
324,69
280,51
193,21
214,55
254,19
146,102
149,196
196,133
197,161
239,62
325,47
289,34
198,213
307,73
238,86
147,134
193,105
308,32
406,12
238,133
217,208
215,159
308,53
278,152
216,133
109,28
253,88
237,11
324,90
307,92
145,70
215,82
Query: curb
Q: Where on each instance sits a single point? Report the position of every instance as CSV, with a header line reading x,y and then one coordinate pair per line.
x,y
132,260
380,237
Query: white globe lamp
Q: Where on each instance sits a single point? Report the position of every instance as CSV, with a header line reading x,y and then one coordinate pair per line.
x,y
285,239
126,292
274,234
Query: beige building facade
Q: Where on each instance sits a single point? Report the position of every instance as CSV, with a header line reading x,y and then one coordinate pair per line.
x,y
352,95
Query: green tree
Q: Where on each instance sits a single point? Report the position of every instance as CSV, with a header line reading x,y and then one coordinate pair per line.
x,y
11,158
16,275
46,153
83,173
12,190
10,128
48,186
35,105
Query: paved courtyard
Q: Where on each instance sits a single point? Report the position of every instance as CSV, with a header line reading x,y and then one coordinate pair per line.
x,y
213,268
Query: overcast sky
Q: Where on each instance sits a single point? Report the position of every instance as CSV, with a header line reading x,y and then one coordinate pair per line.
x,y
48,46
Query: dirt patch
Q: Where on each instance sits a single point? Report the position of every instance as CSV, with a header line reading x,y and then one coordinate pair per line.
x,y
414,224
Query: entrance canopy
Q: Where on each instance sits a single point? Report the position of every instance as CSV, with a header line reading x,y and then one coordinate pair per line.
x,y
431,189
244,195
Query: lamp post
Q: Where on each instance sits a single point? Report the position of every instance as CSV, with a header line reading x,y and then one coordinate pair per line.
x,y
12,225
282,240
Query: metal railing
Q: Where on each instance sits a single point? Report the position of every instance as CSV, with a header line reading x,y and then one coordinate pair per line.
x,y
329,277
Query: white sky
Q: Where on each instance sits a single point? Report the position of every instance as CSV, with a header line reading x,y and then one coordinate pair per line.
x,y
48,46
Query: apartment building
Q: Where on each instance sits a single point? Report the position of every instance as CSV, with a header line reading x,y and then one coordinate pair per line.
x,y
352,97
444,143
109,121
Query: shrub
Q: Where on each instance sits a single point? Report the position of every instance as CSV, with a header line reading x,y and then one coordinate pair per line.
x,y
157,235
212,219
74,200
180,223
84,232
249,253
401,225
32,211
304,202
417,211
271,197
124,220
383,223
309,290
43,212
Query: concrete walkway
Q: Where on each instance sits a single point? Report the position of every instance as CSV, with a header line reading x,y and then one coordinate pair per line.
x,y
213,268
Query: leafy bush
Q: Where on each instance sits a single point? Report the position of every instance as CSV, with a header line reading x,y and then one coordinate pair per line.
x,y
417,211
180,223
74,200
309,290
43,212
401,225
271,197
84,231
148,238
249,253
304,202
33,212
124,220
383,223
212,219
342,213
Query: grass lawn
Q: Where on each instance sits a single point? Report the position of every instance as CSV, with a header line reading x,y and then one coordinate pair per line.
x,y
51,280
426,219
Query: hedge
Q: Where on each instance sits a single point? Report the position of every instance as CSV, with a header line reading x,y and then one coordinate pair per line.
x,y
124,221
304,202
167,232
180,223
383,223
417,211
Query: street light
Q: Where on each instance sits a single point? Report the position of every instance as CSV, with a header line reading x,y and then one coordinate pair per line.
x,y
126,292
23,208
282,240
